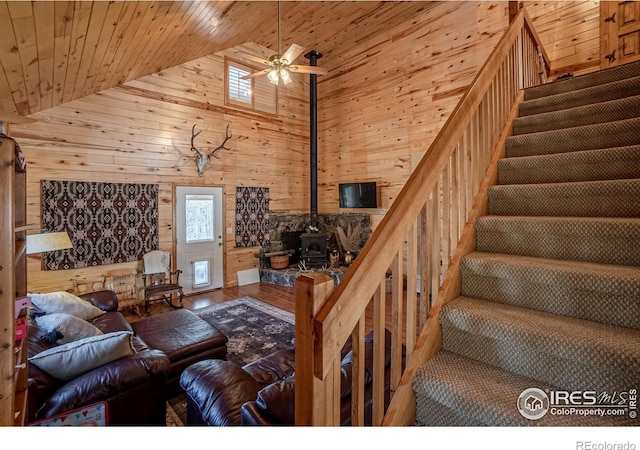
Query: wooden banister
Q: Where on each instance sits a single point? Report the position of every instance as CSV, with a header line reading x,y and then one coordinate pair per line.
x,y
424,234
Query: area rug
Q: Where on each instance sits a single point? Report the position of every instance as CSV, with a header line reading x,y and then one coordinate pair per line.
x,y
254,329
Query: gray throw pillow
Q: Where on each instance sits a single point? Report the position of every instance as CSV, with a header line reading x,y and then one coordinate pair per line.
x,y
68,361
70,327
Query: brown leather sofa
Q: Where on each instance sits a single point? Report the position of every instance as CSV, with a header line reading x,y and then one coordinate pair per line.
x,y
133,386
220,393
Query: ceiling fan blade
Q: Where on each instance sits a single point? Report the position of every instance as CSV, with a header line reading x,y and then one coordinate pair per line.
x,y
292,53
266,62
256,74
309,69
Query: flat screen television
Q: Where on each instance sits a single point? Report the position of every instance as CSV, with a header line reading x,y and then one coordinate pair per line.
x,y
358,195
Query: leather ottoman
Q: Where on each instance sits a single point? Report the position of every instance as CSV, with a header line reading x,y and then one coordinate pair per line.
x,y
185,338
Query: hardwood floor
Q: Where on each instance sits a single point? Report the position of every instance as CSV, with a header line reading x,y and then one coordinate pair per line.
x,y
280,296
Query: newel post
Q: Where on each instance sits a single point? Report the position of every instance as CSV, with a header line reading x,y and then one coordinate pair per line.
x,y
312,406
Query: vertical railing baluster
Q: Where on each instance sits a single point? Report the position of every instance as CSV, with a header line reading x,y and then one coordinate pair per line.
x,y
423,239
357,373
379,319
397,312
412,272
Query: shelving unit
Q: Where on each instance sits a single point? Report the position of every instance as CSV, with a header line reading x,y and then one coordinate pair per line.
x,y
13,285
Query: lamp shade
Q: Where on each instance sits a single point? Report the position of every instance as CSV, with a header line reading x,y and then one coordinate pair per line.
x,y
284,74
48,242
273,76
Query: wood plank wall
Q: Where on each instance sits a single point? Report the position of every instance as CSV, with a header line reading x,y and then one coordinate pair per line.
x,y
383,102
140,132
570,33
391,95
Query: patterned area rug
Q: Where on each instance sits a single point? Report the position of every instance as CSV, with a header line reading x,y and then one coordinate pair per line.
x,y
254,328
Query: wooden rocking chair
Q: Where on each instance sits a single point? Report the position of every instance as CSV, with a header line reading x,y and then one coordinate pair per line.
x,y
160,283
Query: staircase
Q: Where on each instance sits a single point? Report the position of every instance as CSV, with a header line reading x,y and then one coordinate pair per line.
x,y
551,297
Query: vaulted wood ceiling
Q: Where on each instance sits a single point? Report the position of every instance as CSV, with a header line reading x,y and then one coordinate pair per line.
x,y
52,52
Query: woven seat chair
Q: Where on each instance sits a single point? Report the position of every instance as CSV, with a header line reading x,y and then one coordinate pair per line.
x,y
123,283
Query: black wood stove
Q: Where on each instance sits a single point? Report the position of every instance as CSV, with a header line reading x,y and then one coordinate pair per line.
x,y
313,249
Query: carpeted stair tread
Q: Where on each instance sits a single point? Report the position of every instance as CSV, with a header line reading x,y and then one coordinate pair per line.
x,y
584,81
563,351
595,94
452,390
597,292
621,133
603,240
609,111
587,165
610,198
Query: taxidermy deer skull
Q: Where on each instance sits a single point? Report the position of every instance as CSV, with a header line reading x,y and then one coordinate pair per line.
x,y
203,158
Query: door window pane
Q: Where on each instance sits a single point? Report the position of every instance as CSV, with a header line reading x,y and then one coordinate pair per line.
x,y
199,218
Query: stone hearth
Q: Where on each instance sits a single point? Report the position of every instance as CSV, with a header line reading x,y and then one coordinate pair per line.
x,y
285,232
288,276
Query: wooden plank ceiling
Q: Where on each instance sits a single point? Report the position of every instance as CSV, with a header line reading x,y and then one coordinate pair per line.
x,y
52,52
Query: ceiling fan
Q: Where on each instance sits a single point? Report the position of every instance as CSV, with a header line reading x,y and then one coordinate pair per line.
x,y
280,65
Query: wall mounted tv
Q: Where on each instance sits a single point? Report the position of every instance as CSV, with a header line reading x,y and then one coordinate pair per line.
x,y
358,195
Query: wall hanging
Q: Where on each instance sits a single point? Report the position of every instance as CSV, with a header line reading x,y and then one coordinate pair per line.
x,y
108,223
252,216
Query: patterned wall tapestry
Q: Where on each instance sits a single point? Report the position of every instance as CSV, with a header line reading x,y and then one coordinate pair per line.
x,y
108,222
252,216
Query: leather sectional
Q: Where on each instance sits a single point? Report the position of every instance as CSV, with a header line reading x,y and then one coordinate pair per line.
x,y
134,387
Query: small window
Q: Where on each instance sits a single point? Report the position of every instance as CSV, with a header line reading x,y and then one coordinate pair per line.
x,y
239,89
253,93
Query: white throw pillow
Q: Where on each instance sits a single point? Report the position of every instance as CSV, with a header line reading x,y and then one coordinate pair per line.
x,y
65,302
70,327
67,361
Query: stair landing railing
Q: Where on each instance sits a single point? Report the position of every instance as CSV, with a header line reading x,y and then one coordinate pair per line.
x,y
418,239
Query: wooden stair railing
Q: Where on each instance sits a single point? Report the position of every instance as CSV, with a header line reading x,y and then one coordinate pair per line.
x,y
426,231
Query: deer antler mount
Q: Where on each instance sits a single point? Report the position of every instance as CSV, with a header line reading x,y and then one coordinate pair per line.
x,y
203,158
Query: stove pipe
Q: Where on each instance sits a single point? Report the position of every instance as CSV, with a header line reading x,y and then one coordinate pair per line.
x,y
313,57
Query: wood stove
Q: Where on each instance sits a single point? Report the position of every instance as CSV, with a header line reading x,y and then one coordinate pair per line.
x,y
313,249
314,245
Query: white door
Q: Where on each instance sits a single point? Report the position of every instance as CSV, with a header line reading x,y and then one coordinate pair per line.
x,y
199,245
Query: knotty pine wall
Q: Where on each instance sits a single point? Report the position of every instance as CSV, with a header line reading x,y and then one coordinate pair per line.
x,y
570,32
140,132
381,105
391,95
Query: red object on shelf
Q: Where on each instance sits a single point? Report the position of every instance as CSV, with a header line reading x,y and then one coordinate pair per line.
x,y
21,328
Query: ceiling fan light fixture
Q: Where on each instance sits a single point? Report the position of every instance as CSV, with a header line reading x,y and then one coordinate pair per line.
x,y
273,76
286,77
280,65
